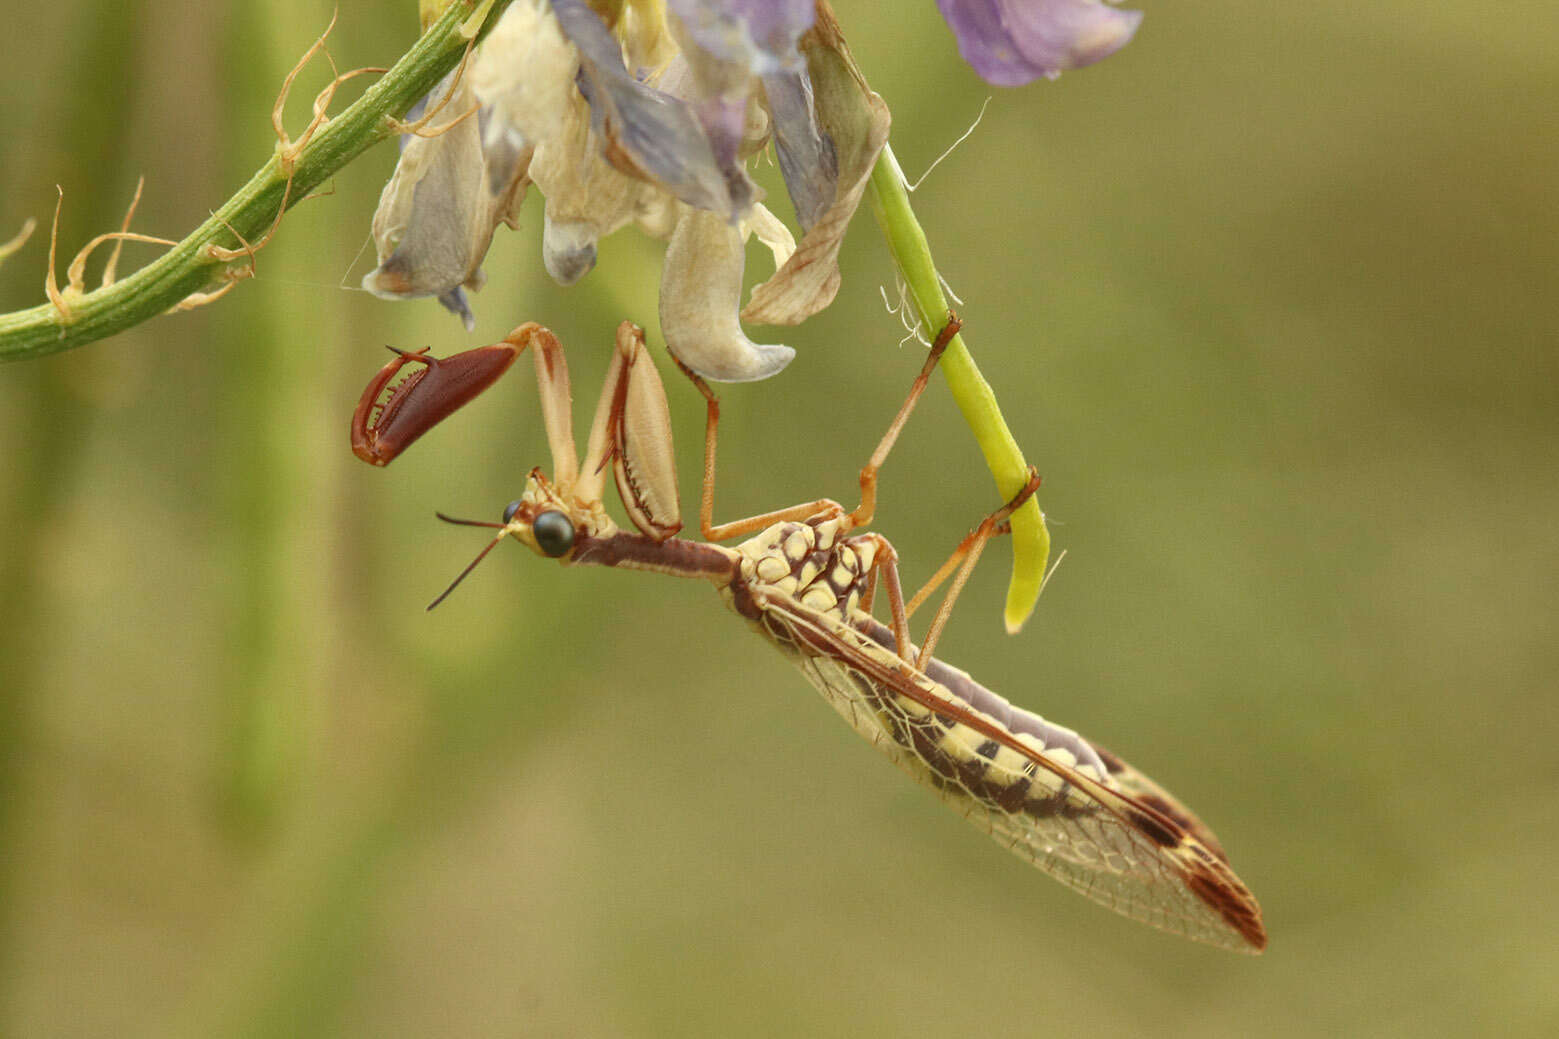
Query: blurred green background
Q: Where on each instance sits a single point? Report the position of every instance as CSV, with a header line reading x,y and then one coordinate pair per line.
x,y
1269,298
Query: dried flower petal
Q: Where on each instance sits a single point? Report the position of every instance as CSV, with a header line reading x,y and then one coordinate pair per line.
x,y
700,288
568,249
647,113
437,214
523,75
758,34
646,133
587,199
855,121
806,155
727,45
1012,42
772,232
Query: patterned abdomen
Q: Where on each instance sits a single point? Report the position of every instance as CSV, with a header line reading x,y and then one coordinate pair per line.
x,y
1043,791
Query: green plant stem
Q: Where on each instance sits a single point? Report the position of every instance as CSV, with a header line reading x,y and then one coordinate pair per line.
x,y
912,253
188,267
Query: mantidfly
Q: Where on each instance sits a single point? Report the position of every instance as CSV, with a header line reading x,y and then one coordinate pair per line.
x,y
805,581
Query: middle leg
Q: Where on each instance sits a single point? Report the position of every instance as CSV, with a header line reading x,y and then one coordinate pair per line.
x,y
706,501
963,559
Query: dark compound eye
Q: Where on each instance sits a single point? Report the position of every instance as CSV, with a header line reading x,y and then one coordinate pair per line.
x,y
554,533
510,509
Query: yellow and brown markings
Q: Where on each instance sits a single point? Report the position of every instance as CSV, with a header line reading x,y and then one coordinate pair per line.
x,y
811,563
1049,795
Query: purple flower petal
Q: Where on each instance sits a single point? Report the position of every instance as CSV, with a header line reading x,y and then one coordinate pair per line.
x,y
1012,42
648,132
456,302
807,158
760,34
852,122
727,47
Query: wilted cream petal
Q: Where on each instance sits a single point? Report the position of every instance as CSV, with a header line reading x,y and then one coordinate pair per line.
x,y
700,288
658,218
647,42
523,74
772,232
568,250
587,198
856,120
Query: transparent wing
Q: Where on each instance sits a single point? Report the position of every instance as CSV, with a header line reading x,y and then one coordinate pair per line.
x,y
1071,808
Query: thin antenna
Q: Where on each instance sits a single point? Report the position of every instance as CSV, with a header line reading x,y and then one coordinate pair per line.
x,y
466,522
502,530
